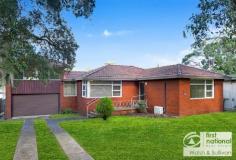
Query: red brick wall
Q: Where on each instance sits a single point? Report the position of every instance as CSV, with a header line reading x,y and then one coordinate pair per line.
x,y
178,100
199,106
67,102
129,89
156,93
172,97
8,102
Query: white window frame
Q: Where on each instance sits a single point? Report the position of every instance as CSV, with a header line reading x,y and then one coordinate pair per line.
x,y
75,85
120,85
112,85
205,88
84,83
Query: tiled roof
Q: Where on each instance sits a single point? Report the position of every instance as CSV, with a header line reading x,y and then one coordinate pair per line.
x,y
73,75
115,72
180,71
122,72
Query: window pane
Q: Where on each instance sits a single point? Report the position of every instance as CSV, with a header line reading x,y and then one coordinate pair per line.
x,y
209,87
208,81
84,93
197,81
100,90
116,87
197,91
117,82
70,88
116,93
100,82
209,94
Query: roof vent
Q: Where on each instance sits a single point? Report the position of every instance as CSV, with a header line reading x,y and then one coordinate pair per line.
x,y
109,63
179,72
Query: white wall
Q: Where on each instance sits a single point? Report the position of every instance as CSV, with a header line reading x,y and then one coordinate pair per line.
x,y
229,91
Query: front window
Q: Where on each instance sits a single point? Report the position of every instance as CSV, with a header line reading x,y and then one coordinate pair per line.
x,y
98,89
70,89
201,88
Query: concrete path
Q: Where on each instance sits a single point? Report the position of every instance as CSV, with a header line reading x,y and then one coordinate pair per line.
x,y
26,148
73,150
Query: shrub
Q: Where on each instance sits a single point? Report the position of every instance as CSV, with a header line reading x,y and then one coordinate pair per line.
x,y
141,107
104,108
67,111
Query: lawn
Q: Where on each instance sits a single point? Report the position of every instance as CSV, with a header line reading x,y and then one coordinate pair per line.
x,y
9,134
66,115
48,147
145,138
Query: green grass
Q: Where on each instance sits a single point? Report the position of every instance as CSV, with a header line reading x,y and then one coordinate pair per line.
x,y
146,138
69,115
48,147
9,134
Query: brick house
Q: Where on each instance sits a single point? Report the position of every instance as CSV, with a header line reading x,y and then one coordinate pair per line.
x,y
180,89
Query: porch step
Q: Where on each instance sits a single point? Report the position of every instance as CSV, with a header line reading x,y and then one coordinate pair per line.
x,y
93,114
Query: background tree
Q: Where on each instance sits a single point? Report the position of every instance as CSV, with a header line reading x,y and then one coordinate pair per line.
x,y
35,38
214,31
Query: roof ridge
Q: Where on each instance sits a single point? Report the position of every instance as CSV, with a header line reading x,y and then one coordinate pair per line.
x,y
95,70
126,66
202,69
160,67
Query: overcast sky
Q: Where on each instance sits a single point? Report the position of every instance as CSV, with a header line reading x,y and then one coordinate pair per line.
x,y
144,33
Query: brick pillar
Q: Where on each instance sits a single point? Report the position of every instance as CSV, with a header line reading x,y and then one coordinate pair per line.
x,y
61,96
8,108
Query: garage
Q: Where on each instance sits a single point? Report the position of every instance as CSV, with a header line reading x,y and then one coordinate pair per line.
x,y
28,105
33,97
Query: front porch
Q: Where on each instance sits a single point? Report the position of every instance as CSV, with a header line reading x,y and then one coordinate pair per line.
x,y
121,107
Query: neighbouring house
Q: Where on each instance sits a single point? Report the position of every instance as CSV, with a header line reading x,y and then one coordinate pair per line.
x,y
180,89
230,93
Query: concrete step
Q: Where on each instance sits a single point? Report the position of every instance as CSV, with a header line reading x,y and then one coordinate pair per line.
x,y
93,114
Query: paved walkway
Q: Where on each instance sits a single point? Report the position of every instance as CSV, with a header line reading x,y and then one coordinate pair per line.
x,y
26,148
73,150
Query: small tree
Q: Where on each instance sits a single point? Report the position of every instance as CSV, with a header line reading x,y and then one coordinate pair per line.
x,y
105,107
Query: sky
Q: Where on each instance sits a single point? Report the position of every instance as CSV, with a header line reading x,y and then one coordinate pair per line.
x,y
143,33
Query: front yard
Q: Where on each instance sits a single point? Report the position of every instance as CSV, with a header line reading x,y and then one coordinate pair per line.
x,y
120,137
9,134
145,138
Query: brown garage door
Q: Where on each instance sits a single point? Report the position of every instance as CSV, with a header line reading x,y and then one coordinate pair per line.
x,y
28,105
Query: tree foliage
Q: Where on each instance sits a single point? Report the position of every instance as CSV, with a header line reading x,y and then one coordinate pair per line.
x,y
216,17
218,56
214,32
35,38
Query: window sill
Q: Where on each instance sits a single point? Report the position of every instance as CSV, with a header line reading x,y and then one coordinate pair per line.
x,y
201,98
70,95
104,97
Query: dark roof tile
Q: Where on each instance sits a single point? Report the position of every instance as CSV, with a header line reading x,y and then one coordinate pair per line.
x,y
73,75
